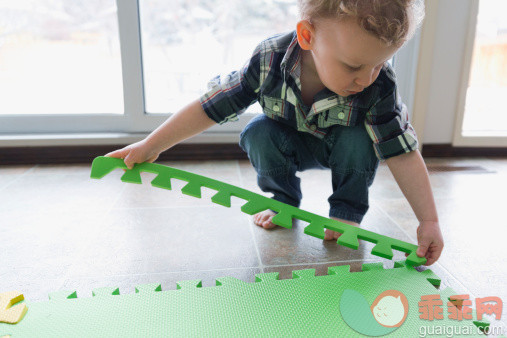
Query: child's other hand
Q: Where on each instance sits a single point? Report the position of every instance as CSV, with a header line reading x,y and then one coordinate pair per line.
x,y
431,243
138,152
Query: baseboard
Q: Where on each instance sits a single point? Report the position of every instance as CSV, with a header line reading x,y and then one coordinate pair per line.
x,y
85,154
192,151
448,150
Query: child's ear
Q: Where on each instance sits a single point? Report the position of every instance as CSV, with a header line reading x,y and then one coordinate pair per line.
x,y
305,34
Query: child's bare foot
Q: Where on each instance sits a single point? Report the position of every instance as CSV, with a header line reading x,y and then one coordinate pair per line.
x,y
334,235
263,219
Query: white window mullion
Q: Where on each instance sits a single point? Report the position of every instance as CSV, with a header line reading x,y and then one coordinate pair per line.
x,y
131,56
29,123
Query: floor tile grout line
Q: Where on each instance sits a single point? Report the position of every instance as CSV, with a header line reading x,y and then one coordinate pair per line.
x,y
26,173
369,260
232,268
67,276
19,177
455,279
250,222
406,233
168,272
117,199
213,205
396,223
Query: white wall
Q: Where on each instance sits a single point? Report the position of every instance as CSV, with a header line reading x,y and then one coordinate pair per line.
x,y
446,68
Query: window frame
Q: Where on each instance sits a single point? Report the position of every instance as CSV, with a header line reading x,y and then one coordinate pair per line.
x,y
471,140
136,123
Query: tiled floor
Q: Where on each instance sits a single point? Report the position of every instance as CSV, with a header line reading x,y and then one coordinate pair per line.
x,y
60,229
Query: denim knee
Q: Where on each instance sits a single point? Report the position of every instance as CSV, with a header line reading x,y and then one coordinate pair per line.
x,y
353,165
265,142
351,149
350,200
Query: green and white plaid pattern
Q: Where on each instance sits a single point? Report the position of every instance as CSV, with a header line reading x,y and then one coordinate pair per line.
x,y
272,77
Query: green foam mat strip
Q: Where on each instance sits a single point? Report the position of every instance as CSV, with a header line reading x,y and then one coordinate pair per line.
x,y
255,203
306,305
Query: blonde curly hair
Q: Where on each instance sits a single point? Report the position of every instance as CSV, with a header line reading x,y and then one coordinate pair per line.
x,y
392,21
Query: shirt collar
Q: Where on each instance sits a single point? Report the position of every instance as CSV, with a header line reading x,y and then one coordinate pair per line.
x,y
291,58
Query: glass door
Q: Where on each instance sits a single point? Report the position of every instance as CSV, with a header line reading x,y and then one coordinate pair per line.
x,y
112,71
59,57
482,115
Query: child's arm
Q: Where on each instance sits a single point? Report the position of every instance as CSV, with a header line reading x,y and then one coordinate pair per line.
x,y
409,171
189,121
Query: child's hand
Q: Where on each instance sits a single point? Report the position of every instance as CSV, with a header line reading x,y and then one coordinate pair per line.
x,y
431,243
138,152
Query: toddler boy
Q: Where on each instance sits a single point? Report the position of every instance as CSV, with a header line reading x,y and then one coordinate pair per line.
x,y
330,101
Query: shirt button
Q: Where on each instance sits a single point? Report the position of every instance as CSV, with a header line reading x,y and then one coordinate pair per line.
x,y
313,127
341,115
276,108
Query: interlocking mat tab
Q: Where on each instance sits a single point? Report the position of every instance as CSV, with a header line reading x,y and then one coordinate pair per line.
x,y
306,305
255,203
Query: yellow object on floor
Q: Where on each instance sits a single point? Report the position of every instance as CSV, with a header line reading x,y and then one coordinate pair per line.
x,y
8,313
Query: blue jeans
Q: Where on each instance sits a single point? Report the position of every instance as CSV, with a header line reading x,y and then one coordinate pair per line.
x,y
278,151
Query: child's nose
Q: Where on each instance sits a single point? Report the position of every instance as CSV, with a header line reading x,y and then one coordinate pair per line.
x,y
365,78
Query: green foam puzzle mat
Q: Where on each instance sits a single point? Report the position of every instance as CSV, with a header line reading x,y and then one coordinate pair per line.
x,y
306,305
255,203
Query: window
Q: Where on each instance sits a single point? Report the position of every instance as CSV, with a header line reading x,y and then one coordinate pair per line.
x,y
112,71
487,86
60,57
484,114
186,43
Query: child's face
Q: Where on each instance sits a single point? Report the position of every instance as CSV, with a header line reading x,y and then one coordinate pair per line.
x,y
347,59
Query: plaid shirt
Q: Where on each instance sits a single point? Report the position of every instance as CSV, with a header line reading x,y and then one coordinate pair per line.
x,y
272,77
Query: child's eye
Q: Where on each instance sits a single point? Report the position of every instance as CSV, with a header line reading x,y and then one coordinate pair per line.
x,y
353,69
